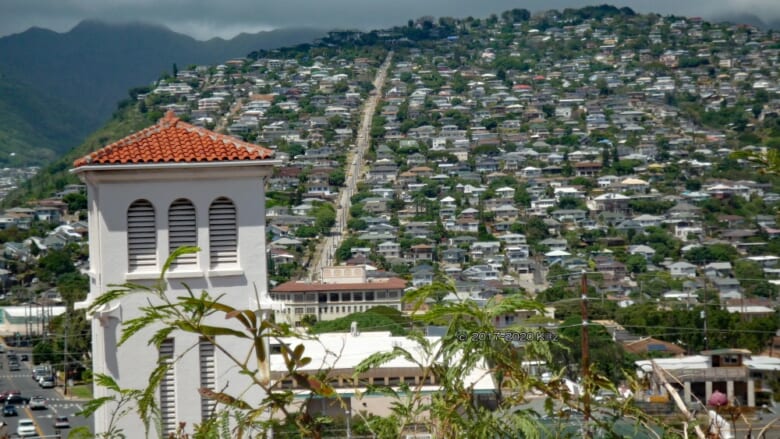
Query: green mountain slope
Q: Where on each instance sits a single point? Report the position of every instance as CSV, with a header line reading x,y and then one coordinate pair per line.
x,y
34,127
56,175
55,88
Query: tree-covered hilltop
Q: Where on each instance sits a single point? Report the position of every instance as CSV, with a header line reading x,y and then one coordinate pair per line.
x,y
126,120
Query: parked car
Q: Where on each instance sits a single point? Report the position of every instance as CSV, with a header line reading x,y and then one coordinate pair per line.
x,y
47,383
37,403
24,357
13,366
26,427
10,410
61,422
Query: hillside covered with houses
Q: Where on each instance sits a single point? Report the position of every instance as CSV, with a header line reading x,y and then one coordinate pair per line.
x,y
509,156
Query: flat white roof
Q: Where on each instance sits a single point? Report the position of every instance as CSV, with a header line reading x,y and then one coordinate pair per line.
x,y
750,309
33,310
345,351
755,362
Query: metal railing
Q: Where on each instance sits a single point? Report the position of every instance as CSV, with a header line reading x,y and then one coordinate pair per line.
x,y
711,374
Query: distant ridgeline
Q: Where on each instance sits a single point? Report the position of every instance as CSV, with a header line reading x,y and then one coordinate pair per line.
x,y
49,104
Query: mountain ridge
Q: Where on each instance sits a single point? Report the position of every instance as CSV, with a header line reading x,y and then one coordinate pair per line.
x,y
88,70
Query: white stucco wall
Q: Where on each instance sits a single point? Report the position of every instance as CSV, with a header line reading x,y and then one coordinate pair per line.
x,y
110,194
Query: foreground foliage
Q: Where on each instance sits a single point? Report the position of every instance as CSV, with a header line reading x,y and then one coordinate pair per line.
x,y
451,410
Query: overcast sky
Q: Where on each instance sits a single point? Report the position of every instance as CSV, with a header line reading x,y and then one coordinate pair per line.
x,y
204,19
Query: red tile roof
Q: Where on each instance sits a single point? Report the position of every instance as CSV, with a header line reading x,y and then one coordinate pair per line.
x,y
174,141
392,283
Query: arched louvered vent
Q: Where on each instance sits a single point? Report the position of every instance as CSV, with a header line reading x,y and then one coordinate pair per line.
x,y
168,388
141,236
223,232
182,230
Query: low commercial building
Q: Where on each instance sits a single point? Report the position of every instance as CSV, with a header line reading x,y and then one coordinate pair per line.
x,y
743,378
339,354
342,291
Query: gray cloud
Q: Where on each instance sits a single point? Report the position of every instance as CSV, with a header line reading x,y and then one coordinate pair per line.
x,y
225,18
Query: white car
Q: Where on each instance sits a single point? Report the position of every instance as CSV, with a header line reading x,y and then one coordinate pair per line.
x,y
26,427
37,403
61,422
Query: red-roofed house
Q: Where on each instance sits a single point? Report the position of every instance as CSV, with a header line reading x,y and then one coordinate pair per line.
x,y
168,186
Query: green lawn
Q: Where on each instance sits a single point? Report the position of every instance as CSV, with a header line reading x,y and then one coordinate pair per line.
x,y
82,391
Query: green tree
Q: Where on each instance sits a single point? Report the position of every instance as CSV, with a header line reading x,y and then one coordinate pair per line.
x,y
73,287
606,355
749,273
337,177
44,351
54,264
76,201
445,361
636,264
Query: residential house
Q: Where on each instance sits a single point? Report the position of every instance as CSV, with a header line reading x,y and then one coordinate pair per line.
x,y
421,252
687,231
555,244
506,193
512,238
418,229
505,212
389,250
727,287
682,269
587,169
484,249
635,185
610,202
718,269
382,172
302,209
453,255
570,215
422,275
643,250
480,273
646,220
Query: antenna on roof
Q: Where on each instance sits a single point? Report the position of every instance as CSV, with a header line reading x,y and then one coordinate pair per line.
x,y
353,329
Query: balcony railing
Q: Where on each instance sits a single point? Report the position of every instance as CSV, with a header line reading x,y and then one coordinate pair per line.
x,y
711,374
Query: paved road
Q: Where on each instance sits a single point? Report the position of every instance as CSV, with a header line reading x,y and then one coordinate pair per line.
x,y
57,405
324,253
222,124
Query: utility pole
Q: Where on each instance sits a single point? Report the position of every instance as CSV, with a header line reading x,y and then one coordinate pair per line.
x,y
585,358
704,316
65,354
349,422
